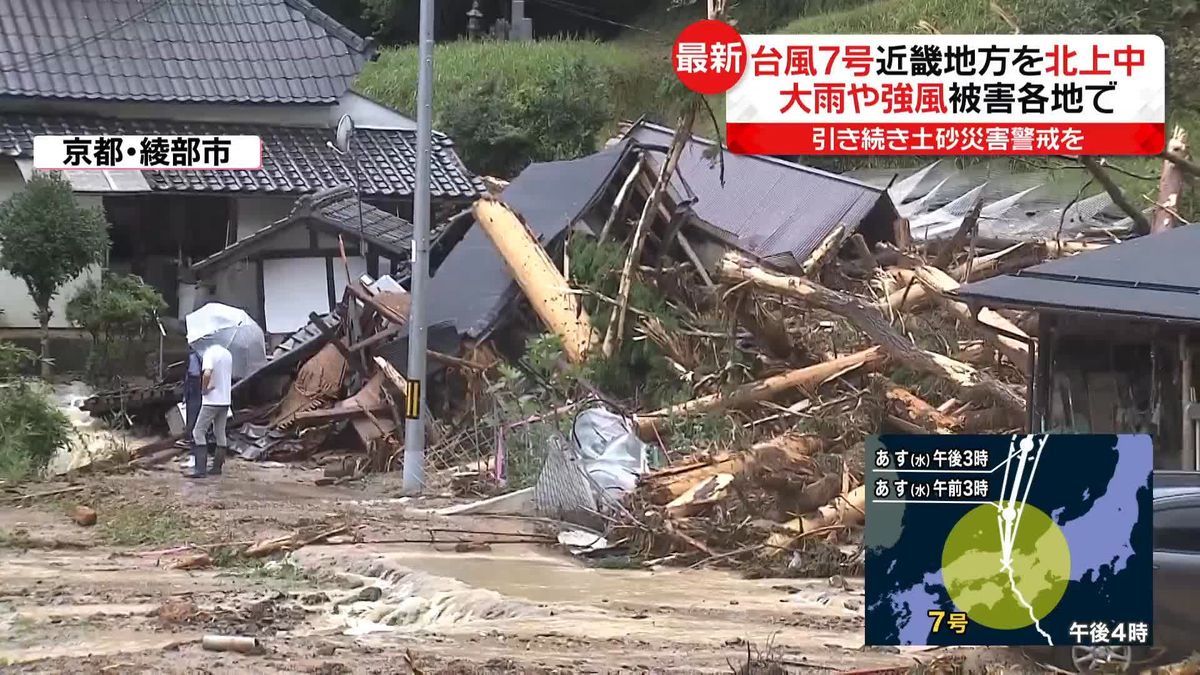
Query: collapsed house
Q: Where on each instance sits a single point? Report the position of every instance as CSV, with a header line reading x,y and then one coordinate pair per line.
x,y
303,263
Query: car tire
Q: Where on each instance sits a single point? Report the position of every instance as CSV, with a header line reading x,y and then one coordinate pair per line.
x,y
1100,659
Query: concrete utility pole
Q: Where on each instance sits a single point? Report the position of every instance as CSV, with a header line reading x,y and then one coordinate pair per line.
x,y
414,432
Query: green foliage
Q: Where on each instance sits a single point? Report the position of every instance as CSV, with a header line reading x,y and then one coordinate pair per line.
x,y
500,129
116,313
48,239
532,101
14,360
638,369
31,431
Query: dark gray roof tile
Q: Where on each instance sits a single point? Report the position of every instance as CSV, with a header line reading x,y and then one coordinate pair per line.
x,y
243,51
296,160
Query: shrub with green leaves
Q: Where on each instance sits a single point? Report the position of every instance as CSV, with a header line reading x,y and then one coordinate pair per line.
x,y
31,428
116,312
500,129
47,239
31,431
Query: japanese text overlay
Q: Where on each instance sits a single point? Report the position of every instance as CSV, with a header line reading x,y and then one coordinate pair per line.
x,y
933,94
154,153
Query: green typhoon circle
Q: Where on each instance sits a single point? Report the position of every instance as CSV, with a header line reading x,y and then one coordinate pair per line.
x,y
974,578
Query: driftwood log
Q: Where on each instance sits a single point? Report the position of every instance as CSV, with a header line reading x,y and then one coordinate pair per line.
x,y
804,378
972,384
1011,341
543,284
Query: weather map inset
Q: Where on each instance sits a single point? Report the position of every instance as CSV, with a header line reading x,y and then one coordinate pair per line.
x,y
1009,540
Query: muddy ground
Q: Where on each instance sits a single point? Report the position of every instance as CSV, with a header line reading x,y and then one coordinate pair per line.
x,y
105,598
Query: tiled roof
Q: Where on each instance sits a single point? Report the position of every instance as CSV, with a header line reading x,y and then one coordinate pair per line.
x,y
340,210
296,160
235,51
335,211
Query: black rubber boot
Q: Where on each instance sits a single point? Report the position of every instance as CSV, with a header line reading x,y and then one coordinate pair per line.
x,y
218,460
199,461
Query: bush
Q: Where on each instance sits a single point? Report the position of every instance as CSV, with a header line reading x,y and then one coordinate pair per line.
x,y
117,313
31,428
500,129
540,101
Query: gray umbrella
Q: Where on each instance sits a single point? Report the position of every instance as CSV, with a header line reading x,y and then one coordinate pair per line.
x,y
233,329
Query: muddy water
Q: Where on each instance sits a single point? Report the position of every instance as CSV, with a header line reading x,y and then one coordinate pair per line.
x,y
525,592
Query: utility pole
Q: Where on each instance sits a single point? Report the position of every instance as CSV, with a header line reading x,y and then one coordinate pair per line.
x,y
414,432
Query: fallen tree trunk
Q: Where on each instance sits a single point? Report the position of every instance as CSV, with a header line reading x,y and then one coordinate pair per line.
x,y
972,384
549,293
1141,225
1006,336
804,378
848,510
789,453
907,406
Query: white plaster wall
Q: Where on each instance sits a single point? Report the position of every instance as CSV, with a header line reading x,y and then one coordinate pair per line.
x,y
255,213
14,296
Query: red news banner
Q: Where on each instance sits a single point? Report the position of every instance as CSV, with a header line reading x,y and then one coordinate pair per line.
x,y
931,94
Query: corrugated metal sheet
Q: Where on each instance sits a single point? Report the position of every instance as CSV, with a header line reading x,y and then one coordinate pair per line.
x,y
1153,276
770,208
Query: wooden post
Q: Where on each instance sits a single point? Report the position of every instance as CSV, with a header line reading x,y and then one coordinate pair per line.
x,y
1188,445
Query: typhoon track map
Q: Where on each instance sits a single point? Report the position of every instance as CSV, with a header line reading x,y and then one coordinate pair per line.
x,y
1009,540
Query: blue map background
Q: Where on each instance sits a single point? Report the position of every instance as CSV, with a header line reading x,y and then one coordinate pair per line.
x,y
1096,488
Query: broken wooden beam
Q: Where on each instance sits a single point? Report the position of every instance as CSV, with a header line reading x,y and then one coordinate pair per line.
x,y
961,235
551,296
616,327
329,415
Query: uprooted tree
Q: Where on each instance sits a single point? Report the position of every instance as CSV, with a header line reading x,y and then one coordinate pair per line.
x,y
48,239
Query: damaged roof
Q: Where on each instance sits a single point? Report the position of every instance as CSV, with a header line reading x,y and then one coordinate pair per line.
x,y
211,51
335,211
1153,277
296,160
473,285
775,210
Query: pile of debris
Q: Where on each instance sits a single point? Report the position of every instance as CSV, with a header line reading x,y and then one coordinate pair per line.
x,y
745,323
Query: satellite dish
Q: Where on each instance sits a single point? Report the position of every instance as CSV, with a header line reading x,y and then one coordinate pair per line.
x,y
345,131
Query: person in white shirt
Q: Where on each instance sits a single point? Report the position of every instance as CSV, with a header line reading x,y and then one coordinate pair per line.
x,y
216,384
